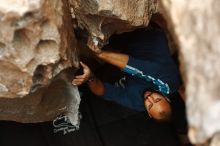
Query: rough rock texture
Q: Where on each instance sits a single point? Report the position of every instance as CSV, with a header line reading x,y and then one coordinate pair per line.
x,y
36,42
195,25
102,18
32,34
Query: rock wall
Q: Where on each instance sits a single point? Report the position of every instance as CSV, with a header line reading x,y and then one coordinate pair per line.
x,y
37,42
32,34
195,26
102,18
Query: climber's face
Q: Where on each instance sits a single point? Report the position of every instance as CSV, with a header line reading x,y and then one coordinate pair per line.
x,y
156,104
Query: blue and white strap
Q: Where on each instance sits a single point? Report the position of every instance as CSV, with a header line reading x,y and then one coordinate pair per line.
x,y
162,87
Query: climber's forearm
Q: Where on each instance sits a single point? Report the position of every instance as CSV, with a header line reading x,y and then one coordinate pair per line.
x,y
96,86
117,59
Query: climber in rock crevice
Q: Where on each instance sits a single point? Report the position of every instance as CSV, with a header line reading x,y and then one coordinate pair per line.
x,y
151,79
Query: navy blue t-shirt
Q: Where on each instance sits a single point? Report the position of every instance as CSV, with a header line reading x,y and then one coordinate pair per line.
x,y
149,52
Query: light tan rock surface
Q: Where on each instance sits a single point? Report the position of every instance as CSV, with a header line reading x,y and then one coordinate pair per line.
x,y
195,25
36,43
32,33
102,18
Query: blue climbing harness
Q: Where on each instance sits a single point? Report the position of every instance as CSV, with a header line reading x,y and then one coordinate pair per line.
x,y
162,87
